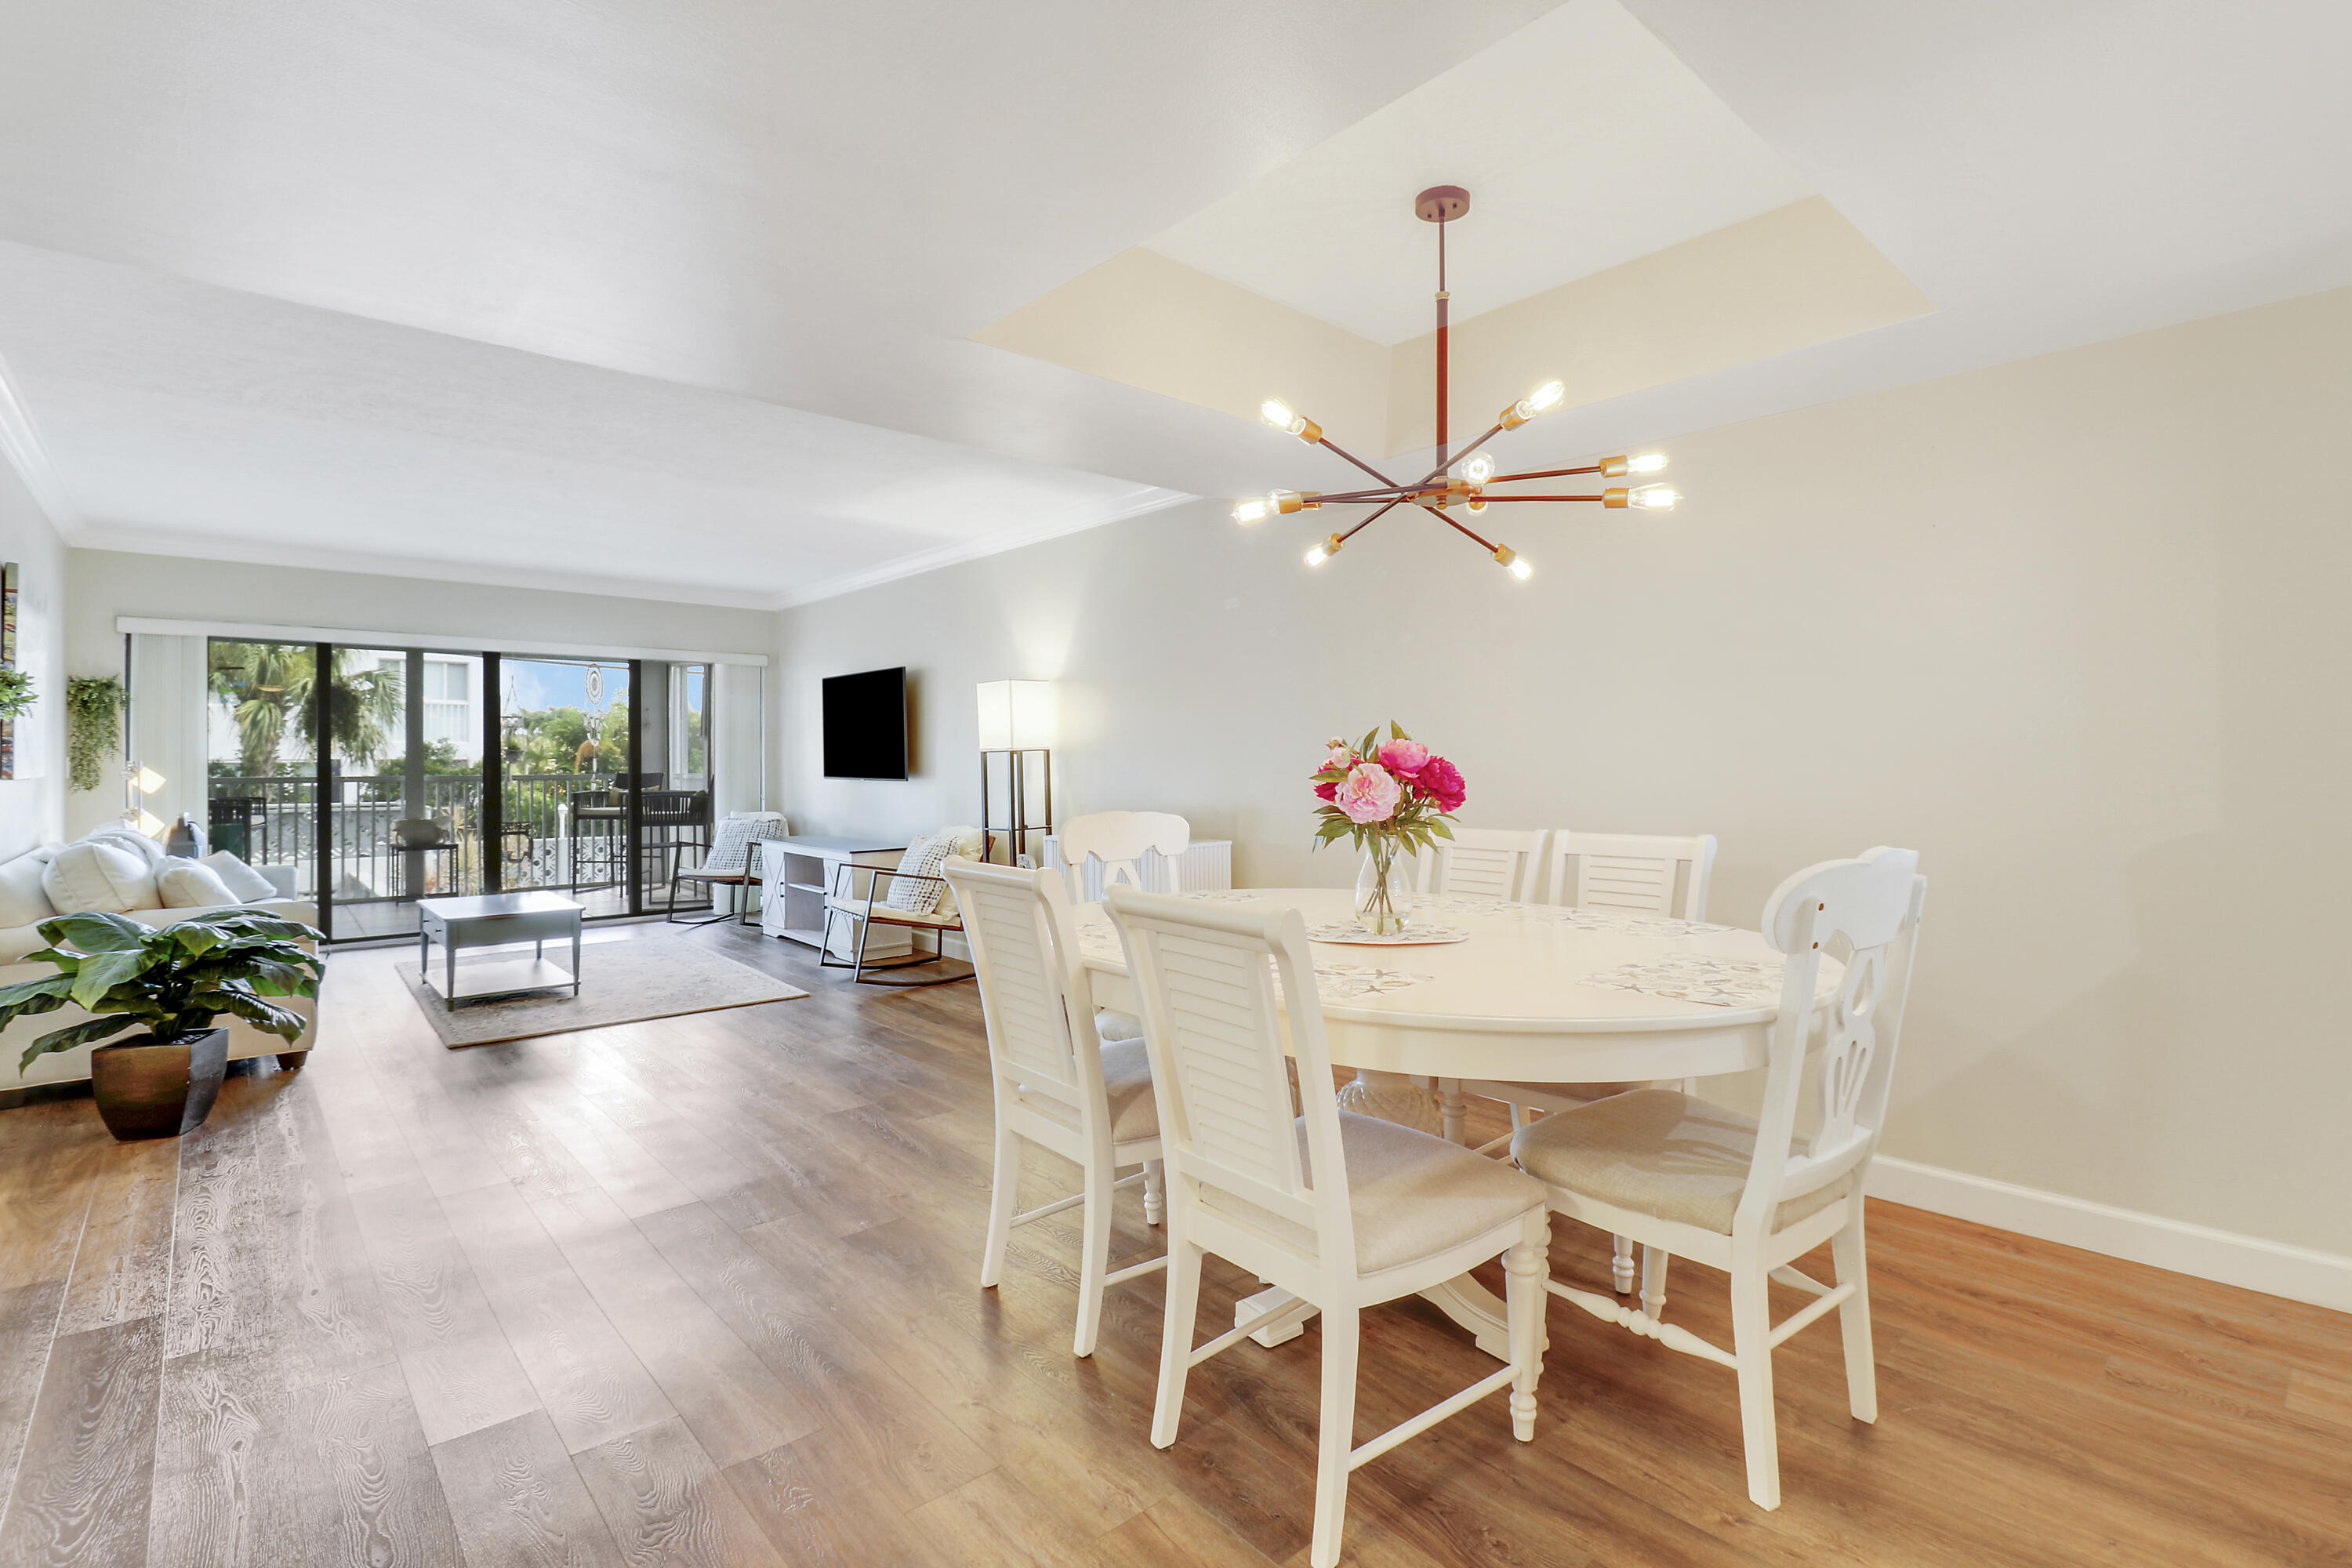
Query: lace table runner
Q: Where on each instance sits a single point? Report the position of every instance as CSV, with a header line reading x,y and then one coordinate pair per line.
x,y
1705,978
1333,982
1622,921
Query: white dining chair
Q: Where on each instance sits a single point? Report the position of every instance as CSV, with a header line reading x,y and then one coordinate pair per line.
x,y
1484,863
1341,1211
1059,1084
1685,1177
1119,840
1634,873
1116,842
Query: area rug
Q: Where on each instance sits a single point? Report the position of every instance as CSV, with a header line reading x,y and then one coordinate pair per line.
x,y
657,973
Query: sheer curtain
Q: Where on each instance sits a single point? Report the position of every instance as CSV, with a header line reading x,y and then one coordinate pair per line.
x,y
167,723
738,751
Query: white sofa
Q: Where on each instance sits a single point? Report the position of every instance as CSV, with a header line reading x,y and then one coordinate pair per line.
x,y
22,894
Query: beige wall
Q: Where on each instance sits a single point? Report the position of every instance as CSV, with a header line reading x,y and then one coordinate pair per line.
x,y
107,584
2071,628
32,805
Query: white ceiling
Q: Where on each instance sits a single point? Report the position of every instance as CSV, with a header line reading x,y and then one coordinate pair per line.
x,y
1583,143
678,298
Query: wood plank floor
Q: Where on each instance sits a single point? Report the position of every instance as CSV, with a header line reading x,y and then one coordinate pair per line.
x,y
700,1291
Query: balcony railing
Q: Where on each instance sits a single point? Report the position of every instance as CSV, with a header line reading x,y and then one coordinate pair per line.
x,y
273,821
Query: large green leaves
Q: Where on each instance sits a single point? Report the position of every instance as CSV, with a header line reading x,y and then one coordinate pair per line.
x,y
74,1035
174,979
96,932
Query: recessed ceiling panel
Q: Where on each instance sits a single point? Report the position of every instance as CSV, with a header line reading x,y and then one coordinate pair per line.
x,y
1582,141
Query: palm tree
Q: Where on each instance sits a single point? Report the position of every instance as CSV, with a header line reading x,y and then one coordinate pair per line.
x,y
267,684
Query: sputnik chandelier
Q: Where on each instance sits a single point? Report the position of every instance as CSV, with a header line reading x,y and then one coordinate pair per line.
x,y
1442,487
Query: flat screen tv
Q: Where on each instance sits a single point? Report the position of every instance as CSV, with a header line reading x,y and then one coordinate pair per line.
x,y
866,725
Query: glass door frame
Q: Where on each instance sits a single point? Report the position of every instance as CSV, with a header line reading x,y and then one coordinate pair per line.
x,y
494,769
493,807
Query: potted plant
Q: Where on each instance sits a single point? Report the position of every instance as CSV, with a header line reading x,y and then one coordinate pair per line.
x,y
175,980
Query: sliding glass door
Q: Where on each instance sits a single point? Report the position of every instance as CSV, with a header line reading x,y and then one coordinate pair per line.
x,y
261,766
368,778
568,779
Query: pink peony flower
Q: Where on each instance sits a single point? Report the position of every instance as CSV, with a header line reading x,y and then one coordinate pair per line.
x,y
1327,790
1369,794
1442,782
1403,757
1340,757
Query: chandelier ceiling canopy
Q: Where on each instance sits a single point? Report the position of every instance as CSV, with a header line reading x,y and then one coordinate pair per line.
x,y
1460,479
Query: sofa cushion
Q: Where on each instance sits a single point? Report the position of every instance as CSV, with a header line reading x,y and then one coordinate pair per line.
x,y
193,885
244,883
99,874
23,901
290,908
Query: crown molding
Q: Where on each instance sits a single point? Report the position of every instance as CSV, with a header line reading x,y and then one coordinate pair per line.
x,y
20,443
316,558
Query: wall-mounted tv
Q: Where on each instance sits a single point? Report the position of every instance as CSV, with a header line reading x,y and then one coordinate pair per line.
x,y
866,725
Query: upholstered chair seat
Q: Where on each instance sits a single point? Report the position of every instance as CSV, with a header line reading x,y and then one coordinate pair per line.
x,y
1660,1151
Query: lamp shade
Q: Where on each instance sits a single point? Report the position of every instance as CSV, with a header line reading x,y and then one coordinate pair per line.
x,y
1016,715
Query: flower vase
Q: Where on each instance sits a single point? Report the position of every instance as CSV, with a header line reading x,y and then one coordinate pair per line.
x,y
1378,892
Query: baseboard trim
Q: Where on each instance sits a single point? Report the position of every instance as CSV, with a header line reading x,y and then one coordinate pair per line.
x,y
2227,1257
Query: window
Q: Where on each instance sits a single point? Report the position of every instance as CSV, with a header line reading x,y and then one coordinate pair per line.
x,y
450,705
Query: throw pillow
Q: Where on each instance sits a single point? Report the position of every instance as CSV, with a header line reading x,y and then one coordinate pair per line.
x,y
131,838
966,842
193,885
101,874
244,883
22,900
919,890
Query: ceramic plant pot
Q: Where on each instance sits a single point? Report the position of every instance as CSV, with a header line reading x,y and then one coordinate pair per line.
x,y
148,1087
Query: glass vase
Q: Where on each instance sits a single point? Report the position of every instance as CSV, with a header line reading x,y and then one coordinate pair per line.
x,y
1379,890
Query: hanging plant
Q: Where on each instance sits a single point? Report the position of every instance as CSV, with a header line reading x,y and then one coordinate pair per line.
x,y
93,727
16,691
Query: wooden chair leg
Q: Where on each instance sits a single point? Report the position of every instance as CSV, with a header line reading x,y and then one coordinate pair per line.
x,y
1155,1191
1854,1318
1452,1107
1002,1192
1525,1267
1335,1435
1094,1256
1176,1336
1653,1281
1751,1348
1621,1263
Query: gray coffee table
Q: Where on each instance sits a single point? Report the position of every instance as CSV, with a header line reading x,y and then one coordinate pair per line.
x,y
498,919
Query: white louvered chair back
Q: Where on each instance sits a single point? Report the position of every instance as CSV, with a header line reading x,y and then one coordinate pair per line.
x,y
1119,841
1049,1064
1485,863
1205,975
1632,871
1030,989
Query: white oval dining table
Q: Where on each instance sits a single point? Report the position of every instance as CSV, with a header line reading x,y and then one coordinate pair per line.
x,y
1513,1002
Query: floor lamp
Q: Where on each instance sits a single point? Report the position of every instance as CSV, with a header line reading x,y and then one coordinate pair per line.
x,y
1016,722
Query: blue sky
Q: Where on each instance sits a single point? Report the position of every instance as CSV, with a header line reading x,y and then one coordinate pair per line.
x,y
536,683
